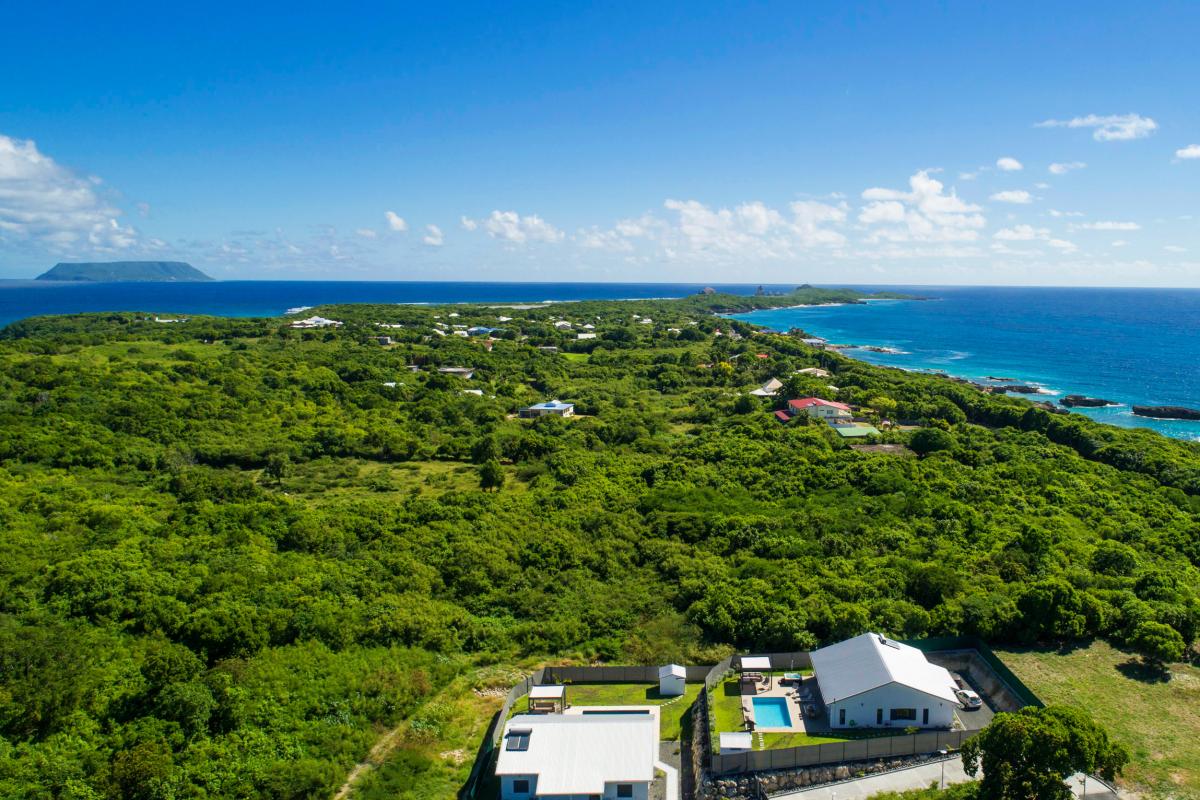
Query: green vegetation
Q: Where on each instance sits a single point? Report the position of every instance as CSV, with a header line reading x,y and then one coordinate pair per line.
x,y
1154,714
237,557
1033,752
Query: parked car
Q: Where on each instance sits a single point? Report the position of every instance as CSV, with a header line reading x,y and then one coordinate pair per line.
x,y
968,698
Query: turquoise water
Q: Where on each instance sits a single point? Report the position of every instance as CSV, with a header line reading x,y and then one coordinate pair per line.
x,y
771,712
1130,346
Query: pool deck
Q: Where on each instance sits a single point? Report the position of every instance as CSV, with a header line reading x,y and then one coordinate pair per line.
x,y
796,718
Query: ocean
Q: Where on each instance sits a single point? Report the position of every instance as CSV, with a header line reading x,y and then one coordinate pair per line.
x,y
20,299
1131,346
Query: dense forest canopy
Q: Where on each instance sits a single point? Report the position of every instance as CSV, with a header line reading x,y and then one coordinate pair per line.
x,y
232,549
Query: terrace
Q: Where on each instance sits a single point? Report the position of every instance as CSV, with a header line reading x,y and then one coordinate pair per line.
x,y
671,711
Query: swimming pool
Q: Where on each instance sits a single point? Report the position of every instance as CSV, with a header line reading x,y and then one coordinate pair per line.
x,y
771,712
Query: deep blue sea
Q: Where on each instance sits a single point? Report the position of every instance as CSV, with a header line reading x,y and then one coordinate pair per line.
x,y
1132,346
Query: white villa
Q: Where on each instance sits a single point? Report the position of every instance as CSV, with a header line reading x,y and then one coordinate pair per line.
x,y
871,681
768,389
562,757
827,410
548,408
316,322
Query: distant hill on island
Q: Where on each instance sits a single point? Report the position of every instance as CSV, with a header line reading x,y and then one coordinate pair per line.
x,y
108,271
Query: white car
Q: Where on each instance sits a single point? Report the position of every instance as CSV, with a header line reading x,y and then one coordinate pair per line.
x,y
968,698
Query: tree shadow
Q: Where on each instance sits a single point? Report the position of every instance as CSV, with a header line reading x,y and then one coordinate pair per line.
x,y
1138,670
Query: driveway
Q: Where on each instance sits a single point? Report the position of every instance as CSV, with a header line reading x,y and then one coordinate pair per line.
x,y
920,777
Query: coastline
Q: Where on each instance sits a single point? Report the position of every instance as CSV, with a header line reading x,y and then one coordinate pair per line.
x,y
1052,344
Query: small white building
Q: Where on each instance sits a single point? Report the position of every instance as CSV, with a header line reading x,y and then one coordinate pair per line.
x,y
768,389
560,756
871,681
316,322
672,680
736,742
585,336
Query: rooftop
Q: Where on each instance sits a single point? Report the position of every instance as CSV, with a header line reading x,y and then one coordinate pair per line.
x,y
869,661
578,754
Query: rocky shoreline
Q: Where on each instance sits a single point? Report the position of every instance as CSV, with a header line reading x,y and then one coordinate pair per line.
x,y
1167,412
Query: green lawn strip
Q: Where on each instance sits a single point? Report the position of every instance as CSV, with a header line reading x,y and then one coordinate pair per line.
x,y
1157,716
670,719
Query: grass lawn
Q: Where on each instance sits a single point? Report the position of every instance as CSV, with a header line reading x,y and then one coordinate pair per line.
x,y
670,718
1156,716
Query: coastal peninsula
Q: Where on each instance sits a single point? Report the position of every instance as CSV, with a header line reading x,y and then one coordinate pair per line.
x,y
114,271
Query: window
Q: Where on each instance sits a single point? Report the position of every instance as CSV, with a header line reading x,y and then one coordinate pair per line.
x,y
904,714
841,716
521,786
624,790
517,739
924,716
879,716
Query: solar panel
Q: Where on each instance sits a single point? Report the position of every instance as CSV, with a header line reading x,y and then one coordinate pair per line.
x,y
518,740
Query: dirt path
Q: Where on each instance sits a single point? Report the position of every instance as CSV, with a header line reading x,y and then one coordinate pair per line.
x,y
376,756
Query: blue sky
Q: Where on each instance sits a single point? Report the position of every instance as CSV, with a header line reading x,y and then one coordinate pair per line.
x,y
759,142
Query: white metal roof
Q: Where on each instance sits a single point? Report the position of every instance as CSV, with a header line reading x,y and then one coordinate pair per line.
x,y
869,661
548,692
578,754
756,662
736,741
672,669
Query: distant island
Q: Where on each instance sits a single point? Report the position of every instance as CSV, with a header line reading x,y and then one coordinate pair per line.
x,y
109,271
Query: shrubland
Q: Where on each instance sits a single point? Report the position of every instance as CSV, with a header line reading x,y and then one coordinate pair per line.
x,y
235,553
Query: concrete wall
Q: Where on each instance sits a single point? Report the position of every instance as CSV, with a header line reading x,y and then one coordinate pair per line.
x,y
862,710
982,677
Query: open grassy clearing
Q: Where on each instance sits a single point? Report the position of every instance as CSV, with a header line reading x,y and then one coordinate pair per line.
x,y
1156,715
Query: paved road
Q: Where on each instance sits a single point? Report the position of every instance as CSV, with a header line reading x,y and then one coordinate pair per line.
x,y
918,778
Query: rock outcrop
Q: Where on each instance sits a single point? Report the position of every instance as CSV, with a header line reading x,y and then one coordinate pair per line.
x,y
1167,412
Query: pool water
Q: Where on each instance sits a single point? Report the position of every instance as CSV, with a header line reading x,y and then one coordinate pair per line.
x,y
771,712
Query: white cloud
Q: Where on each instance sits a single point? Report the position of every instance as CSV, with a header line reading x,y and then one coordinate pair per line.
x,y
367,233
1009,164
753,229
1119,243
511,227
1019,196
882,211
1109,226
968,176
1054,212
923,214
1189,152
395,221
468,223
1062,168
1174,248
433,236
47,204
1021,233
1110,128
1064,245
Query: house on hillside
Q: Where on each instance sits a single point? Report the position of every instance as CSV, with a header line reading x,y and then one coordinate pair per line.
x,y
466,373
606,756
316,322
548,408
815,407
815,372
768,389
871,681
